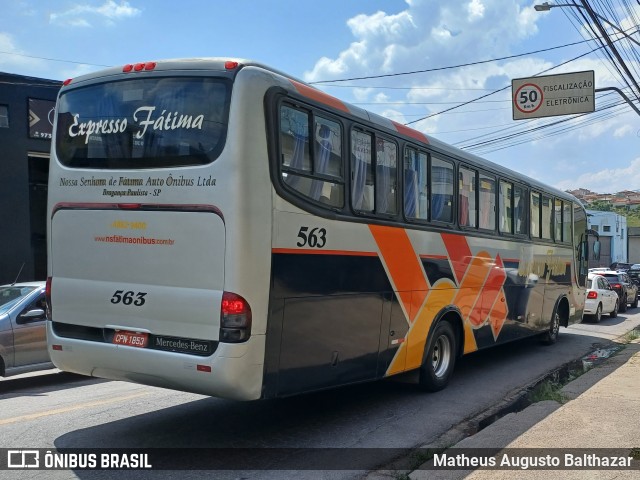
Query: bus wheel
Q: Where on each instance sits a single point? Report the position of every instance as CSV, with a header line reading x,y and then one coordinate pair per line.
x,y
551,336
440,358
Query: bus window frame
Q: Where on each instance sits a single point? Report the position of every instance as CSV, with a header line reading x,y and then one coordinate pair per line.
x,y
374,134
491,177
408,219
474,170
348,123
274,129
525,208
453,222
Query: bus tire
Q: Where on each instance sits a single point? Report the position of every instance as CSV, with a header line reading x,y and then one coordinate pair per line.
x,y
439,359
551,335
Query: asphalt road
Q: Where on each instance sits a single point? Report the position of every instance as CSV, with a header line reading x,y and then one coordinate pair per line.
x,y
58,410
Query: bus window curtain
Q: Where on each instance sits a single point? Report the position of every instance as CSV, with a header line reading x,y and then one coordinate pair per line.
x,y
440,182
297,159
464,210
382,189
437,201
324,153
359,179
410,192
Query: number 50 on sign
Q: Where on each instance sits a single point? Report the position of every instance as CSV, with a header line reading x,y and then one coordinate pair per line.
x,y
528,98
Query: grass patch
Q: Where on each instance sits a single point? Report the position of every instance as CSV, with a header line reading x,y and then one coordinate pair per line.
x,y
631,336
547,390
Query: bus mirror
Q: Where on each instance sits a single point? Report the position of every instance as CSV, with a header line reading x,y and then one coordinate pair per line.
x,y
596,250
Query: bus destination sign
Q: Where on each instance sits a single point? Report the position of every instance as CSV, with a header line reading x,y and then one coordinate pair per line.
x,y
551,95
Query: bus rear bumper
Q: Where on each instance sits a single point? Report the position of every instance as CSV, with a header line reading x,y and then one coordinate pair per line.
x,y
234,371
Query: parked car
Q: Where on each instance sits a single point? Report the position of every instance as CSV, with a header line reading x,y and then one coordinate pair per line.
x,y
626,289
23,341
601,298
634,274
620,266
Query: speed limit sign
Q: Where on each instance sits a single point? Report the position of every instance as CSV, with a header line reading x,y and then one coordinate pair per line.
x,y
550,95
528,98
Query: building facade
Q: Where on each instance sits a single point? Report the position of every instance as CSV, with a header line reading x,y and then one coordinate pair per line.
x,y
613,232
26,120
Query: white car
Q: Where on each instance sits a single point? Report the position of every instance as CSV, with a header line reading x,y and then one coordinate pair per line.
x,y
601,298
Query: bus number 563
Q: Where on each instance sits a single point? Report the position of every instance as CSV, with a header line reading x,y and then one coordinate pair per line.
x,y
314,238
128,298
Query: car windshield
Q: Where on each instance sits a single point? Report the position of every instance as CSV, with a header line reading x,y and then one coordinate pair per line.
x,y
11,295
589,283
612,277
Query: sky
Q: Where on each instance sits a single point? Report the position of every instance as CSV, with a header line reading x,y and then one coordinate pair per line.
x,y
328,42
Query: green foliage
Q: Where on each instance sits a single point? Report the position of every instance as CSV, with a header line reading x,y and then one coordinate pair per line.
x,y
633,215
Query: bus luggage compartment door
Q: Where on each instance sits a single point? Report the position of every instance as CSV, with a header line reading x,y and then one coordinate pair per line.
x,y
159,271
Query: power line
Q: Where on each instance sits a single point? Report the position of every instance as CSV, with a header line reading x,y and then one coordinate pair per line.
x,y
54,59
451,66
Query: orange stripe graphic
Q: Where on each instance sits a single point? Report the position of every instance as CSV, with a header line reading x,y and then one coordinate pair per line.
x,y
404,267
459,253
479,293
488,294
319,96
410,132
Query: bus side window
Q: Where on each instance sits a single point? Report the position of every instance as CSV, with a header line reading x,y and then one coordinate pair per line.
x,y
547,217
361,172
557,220
441,190
386,183
294,145
535,215
467,189
520,209
328,162
487,202
506,212
416,194
301,165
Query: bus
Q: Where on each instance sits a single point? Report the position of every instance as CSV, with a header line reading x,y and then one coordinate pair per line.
x,y
219,227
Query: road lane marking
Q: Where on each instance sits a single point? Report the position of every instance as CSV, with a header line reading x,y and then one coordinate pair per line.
x,y
33,416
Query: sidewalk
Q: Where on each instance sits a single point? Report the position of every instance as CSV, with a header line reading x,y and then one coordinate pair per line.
x,y
602,411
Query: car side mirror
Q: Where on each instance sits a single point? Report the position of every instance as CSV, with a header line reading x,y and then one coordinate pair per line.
x,y
32,316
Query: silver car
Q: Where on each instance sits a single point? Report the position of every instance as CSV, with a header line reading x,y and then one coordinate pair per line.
x,y
23,342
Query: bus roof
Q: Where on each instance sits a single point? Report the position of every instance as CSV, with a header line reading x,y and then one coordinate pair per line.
x,y
232,65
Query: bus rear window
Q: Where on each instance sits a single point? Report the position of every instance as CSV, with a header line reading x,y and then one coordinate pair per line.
x,y
143,123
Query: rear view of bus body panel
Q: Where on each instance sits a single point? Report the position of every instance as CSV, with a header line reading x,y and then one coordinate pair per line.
x,y
157,272
214,230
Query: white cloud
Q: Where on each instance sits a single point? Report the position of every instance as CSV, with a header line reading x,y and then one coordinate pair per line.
x,y
428,33
622,131
607,180
431,35
81,15
14,58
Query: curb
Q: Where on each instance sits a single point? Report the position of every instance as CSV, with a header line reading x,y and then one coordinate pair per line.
x,y
517,414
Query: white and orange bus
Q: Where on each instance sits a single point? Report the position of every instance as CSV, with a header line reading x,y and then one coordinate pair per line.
x,y
216,226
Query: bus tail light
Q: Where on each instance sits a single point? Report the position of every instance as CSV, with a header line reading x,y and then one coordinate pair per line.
x,y
592,294
47,296
235,318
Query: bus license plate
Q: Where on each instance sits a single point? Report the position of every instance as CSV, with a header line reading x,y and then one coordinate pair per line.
x,y
131,339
